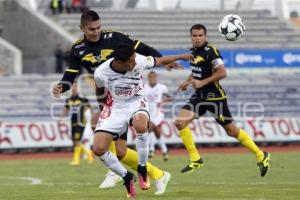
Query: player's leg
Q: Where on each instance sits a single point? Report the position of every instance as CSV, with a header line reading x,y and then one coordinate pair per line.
x,y
130,158
100,148
140,122
152,142
263,158
76,136
226,121
156,121
183,119
84,144
111,178
161,142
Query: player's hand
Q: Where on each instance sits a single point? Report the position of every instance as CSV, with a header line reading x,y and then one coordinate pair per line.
x,y
198,83
173,65
187,57
183,86
57,90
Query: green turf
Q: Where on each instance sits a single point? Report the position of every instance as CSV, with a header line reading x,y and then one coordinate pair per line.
x,y
224,176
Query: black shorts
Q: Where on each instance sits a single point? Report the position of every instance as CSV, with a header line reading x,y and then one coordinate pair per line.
x,y
77,132
116,136
218,108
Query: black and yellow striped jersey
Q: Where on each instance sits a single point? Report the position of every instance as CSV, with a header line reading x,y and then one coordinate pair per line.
x,y
202,67
90,55
77,106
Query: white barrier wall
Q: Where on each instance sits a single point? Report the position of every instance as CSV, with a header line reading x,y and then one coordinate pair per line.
x,y
28,134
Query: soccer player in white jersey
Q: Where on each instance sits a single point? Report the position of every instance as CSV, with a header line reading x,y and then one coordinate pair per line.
x,y
121,77
156,94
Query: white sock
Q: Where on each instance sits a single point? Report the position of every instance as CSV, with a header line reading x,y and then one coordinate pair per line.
x,y
162,145
112,162
142,146
152,141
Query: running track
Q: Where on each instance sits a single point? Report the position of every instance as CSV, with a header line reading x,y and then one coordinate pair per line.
x,y
67,155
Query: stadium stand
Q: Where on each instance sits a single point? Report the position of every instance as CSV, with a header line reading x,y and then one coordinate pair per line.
x,y
169,29
29,95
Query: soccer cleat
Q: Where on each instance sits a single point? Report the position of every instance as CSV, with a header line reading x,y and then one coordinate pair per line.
x,y
144,181
162,183
166,156
264,165
74,163
129,180
192,166
110,180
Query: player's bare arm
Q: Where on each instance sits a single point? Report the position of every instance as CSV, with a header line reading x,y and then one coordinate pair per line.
x,y
219,74
183,86
166,60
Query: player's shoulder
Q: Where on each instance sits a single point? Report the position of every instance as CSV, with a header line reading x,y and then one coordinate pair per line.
x,y
79,43
104,67
211,47
161,85
113,33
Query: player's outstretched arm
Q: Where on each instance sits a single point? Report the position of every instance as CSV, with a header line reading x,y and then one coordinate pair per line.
x,y
165,60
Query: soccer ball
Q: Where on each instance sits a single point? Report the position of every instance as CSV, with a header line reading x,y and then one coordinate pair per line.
x,y
232,27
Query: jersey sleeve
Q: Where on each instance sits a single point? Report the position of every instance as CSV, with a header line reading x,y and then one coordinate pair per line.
x,y
165,90
138,45
145,62
124,38
71,71
99,79
215,57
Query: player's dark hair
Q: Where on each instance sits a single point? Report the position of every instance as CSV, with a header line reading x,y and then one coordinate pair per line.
x,y
88,16
123,52
152,72
198,27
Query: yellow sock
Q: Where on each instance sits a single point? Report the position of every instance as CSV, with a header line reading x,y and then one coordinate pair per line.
x,y
188,141
112,148
87,151
131,160
77,153
247,142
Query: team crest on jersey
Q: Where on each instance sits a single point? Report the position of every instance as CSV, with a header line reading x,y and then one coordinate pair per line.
x,y
91,58
197,60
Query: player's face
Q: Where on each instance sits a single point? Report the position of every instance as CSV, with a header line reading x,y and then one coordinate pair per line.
x,y
130,63
198,37
92,30
152,78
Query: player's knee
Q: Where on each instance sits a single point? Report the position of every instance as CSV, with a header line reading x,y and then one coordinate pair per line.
x,y
180,124
232,131
121,152
141,128
98,150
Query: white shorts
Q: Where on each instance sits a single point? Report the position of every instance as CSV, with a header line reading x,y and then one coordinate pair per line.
x,y
116,120
157,118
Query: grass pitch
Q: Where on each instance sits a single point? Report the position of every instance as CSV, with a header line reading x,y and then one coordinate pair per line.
x,y
224,176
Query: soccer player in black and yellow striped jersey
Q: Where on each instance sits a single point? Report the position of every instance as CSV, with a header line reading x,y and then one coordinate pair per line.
x,y
207,69
89,52
76,107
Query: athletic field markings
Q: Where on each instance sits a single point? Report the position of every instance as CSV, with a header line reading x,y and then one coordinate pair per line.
x,y
33,181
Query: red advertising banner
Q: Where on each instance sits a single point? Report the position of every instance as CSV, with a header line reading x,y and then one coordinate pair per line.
x,y
29,134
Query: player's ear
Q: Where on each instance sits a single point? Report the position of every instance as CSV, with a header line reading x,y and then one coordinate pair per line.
x,y
81,28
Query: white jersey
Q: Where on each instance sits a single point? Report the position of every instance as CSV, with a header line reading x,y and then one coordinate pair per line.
x,y
123,87
154,97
